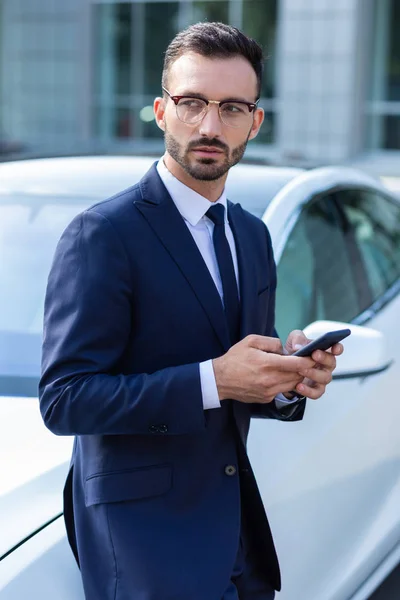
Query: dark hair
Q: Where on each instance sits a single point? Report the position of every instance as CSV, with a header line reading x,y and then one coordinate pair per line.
x,y
215,40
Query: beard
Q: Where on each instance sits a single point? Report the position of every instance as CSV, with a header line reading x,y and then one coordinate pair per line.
x,y
204,169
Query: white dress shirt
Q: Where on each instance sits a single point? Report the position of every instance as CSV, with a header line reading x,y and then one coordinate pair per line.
x,y
193,207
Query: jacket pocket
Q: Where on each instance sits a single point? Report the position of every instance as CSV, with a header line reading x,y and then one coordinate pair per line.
x,y
130,484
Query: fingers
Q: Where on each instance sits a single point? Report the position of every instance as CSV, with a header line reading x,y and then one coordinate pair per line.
x,y
255,370
310,389
298,364
286,384
337,349
280,388
284,364
325,359
318,375
317,378
264,343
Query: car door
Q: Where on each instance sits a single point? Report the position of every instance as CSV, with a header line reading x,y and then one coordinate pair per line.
x,y
329,480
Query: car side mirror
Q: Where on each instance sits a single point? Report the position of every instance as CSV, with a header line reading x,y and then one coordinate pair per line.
x,y
365,350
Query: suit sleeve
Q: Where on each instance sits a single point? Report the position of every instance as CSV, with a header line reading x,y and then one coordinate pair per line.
x,y
87,324
270,411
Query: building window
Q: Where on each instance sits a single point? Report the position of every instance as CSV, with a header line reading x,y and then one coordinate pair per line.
x,y
384,106
130,39
259,22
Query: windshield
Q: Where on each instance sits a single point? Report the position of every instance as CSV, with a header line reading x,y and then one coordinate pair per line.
x,y
30,227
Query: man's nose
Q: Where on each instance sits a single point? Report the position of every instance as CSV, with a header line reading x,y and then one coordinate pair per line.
x,y
211,125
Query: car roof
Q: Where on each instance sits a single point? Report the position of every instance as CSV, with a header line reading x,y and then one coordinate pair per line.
x,y
98,177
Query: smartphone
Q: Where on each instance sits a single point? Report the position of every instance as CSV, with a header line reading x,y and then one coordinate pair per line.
x,y
324,342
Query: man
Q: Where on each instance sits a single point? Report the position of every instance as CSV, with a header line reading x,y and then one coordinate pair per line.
x,y
159,345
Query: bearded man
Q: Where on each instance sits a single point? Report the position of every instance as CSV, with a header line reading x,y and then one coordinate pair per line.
x,y
160,345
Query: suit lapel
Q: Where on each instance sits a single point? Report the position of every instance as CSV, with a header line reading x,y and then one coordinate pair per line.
x,y
164,218
247,274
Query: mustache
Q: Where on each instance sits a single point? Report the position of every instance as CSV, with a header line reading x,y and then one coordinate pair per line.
x,y
213,143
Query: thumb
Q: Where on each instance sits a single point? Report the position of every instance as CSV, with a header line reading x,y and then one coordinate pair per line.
x,y
294,348
295,341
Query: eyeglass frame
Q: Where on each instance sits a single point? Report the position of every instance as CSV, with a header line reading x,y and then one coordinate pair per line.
x,y
250,105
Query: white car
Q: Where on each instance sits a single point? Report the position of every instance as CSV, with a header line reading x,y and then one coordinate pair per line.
x,y
330,483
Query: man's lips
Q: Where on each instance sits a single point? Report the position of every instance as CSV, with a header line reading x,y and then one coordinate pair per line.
x,y
208,150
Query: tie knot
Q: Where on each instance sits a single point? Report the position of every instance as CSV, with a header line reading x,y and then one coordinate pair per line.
x,y
216,213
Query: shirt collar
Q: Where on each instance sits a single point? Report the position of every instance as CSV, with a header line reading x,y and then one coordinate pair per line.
x,y
190,204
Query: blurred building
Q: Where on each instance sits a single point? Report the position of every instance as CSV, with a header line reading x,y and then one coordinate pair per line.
x,y
80,75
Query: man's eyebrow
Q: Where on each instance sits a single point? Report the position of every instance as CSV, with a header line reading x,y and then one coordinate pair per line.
x,y
193,94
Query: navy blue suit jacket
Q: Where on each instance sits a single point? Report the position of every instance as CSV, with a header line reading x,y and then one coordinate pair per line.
x,y
131,309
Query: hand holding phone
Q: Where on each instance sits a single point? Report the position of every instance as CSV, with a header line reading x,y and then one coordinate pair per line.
x,y
323,342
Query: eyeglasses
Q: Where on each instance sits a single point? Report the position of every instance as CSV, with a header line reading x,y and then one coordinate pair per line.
x,y
232,112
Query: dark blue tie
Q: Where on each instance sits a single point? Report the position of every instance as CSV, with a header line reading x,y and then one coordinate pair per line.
x,y
226,270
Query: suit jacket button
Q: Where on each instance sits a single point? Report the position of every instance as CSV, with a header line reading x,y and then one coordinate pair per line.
x,y
163,428
153,429
230,470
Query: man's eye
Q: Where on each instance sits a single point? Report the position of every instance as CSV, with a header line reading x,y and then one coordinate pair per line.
x,y
191,103
233,108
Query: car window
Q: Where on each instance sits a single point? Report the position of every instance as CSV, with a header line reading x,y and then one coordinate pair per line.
x,y
375,220
29,231
315,278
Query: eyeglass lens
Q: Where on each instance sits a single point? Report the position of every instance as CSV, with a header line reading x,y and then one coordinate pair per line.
x,y
192,110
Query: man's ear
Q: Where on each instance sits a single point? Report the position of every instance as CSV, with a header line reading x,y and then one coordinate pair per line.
x,y
257,122
159,112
